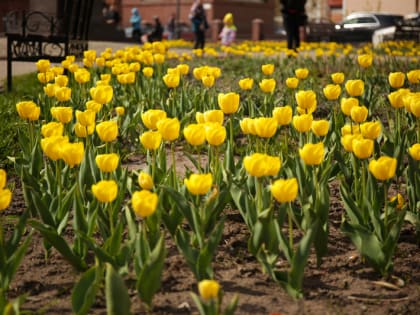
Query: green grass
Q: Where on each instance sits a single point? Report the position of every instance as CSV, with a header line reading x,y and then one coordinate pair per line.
x,y
25,87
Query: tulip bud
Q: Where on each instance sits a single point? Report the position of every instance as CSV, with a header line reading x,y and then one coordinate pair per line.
x,y
199,184
144,203
284,190
105,190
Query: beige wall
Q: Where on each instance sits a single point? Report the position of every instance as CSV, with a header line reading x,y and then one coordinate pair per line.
x,y
390,6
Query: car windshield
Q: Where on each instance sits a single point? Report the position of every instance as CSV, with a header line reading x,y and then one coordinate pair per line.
x,y
389,19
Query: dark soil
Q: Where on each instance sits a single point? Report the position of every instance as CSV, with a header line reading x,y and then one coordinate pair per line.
x,y
343,284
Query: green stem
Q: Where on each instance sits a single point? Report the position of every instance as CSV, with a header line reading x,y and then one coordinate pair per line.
x,y
363,191
289,214
386,209
111,217
259,195
173,164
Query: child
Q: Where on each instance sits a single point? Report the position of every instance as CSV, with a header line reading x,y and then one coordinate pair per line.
x,y
228,33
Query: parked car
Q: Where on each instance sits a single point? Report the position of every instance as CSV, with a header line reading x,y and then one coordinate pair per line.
x,y
319,30
406,29
359,26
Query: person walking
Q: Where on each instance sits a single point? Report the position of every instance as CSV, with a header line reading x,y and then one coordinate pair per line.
x,y
170,27
199,24
228,34
156,34
135,21
293,17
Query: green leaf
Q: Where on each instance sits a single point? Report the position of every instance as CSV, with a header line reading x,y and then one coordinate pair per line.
x,y
84,291
117,298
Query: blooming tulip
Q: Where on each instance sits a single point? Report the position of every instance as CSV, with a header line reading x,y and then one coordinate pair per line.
x,y
413,76
284,190
28,110
283,115
371,129
208,289
396,98
52,129
169,128
359,114
267,85
302,73
247,126
362,148
213,116
199,184
414,151
72,153
151,140
61,80
107,163
102,94
51,146
365,60
302,123
151,117
208,80
265,127
171,80
43,65
183,68
144,203
145,181
215,134
83,131
320,127
396,79
94,106
82,75
332,91
292,83
3,178
148,72
306,99
337,77
267,69
246,84
383,168
105,190
347,104
107,130
259,164
49,89
5,198
347,142
86,118
195,134
229,102
63,114
355,87
312,154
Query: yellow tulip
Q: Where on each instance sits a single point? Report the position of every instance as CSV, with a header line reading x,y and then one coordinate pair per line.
x,y
396,79
337,77
61,80
148,72
312,154
355,87
151,117
414,102
105,190
51,146
107,130
120,110
82,75
63,94
332,91
229,102
267,69
283,115
159,58
246,84
365,60
94,106
306,99
273,164
72,153
215,134
63,114
126,78
5,198
208,80
199,184
28,110
195,134
247,126
151,140
3,178
371,129
359,114
383,168
362,148
43,65
347,104
145,181
414,151
134,67
171,80
86,118
292,83
144,203
320,127
267,85
183,68
265,127
347,141
49,89
259,164
213,116
107,163
396,98
413,76
102,94
284,190
302,123
83,131
350,129
169,128
208,289
301,73
52,129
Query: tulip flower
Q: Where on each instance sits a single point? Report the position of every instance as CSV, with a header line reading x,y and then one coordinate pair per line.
x,y
415,105
350,129
144,203
208,80
332,91
49,89
292,83
383,168
259,164
302,123
355,87
51,146
213,116
305,99
362,148
107,130
247,126
3,178
107,163
171,80
414,151
169,128
82,75
246,84
159,58
267,69
320,127
359,114
371,129
148,72
396,79
301,73
265,127
396,98
347,104
312,154
94,106
145,181
126,78
195,134
283,115
199,184
347,141
120,110
105,190
337,77
413,76
63,94
61,80
151,140
72,153
215,134
5,198
102,94
83,131
86,118
151,117
63,114
183,68
208,289
284,190
52,129
365,60
229,102
28,110
267,85
43,65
